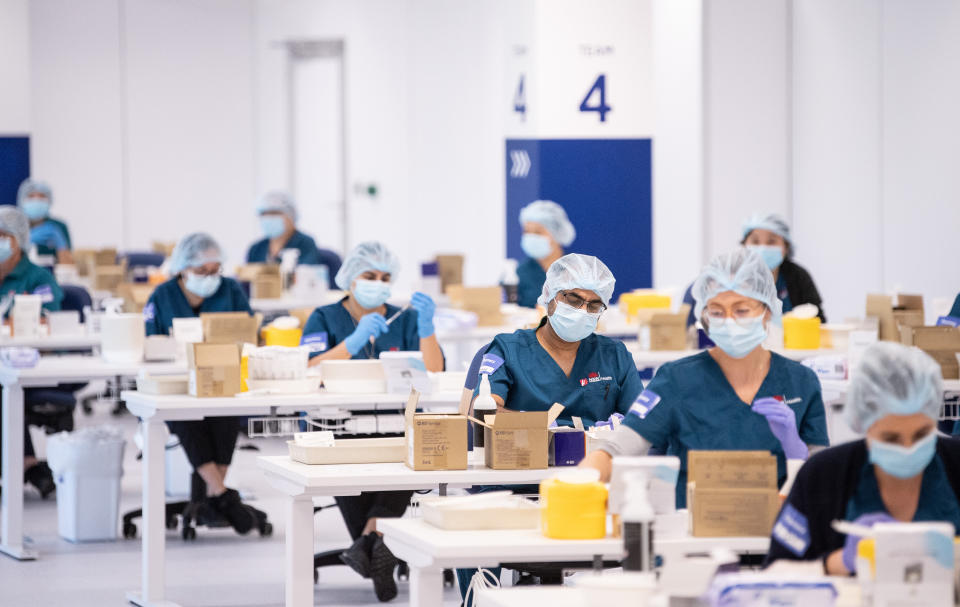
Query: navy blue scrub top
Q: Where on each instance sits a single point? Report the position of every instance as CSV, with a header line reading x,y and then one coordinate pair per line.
x,y
690,405
168,302
603,379
938,502
27,278
955,310
310,254
532,277
331,324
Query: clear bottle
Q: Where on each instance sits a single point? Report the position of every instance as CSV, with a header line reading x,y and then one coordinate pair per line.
x,y
510,281
638,517
483,405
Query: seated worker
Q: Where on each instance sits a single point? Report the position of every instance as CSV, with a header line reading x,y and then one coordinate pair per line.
x,y
769,235
546,231
356,328
902,470
278,219
955,310
736,395
19,275
50,235
562,360
197,287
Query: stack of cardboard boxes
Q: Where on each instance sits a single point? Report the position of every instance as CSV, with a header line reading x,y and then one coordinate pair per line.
x,y
265,280
215,364
732,493
904,322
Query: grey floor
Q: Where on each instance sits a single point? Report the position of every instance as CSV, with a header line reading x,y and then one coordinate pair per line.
x,y
219,568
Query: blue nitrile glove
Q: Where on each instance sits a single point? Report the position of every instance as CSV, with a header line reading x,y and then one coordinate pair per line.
x,y
783,424
370,326
47,234
850,545
425,309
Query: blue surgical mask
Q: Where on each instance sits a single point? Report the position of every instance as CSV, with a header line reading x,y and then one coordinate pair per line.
x,y
536,246
772,255
6,248
35,208
571,324
201,286
735,339
903,462
272,225
371,293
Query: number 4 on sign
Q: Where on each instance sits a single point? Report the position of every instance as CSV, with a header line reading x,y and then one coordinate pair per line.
x,y
596,99
520,100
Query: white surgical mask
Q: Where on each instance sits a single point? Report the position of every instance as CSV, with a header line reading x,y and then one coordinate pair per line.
x,y
371,293
571,324
737,339
201,286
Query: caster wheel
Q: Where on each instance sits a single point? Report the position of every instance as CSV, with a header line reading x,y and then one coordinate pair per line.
x,y
189,533
316,577
403,572
266,530
129,531
171,522
449,579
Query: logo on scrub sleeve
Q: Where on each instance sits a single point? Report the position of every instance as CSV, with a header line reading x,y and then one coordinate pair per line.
x,y
317,342
645,404
45,292
149,312
792,530
490,363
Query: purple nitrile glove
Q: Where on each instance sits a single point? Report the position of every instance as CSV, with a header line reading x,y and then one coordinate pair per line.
x,y
850,545
783,424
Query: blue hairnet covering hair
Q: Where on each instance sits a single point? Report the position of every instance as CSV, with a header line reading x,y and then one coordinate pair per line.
x,y
552,217
893,379
767,221
366,256
575,271
742,271
194,250
33,186
277,201
14,221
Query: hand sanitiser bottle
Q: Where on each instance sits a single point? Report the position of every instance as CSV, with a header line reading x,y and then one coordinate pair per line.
x,y
483,405
637,517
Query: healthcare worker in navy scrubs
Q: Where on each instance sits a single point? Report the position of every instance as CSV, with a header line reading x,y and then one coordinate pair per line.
x,y
546,232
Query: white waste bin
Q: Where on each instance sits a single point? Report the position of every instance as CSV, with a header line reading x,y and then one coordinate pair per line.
x,y
87,466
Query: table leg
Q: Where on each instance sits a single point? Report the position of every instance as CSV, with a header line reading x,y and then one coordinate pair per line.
x,y
299,546
426,587
154,518
11,523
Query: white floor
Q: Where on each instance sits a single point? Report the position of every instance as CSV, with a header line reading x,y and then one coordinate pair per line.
x,y
219,568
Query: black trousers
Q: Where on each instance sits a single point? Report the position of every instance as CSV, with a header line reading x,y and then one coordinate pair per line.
x,y
358,509
211,439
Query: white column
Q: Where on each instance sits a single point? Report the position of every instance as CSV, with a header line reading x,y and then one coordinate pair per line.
x,y
11,524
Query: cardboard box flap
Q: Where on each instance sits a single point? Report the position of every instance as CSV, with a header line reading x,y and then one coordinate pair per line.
x,y
554,412
214,355
510,420
411,409
936,338
229,327
909,302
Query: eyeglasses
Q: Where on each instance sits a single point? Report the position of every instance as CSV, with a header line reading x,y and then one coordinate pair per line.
x,y
203,271
575,301
743,314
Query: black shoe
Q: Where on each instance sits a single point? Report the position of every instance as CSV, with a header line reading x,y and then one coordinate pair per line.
x,y
237,514
382,565
40,476
357,556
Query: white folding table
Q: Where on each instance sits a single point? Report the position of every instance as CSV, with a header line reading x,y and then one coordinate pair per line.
x,y
155,410
49,372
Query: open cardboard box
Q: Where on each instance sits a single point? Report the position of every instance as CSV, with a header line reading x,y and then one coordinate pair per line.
x,y
470,512
214,370
941,343
482,301
450,269
668,331
732,493
135,295
230,327
435,441
518,440
907,312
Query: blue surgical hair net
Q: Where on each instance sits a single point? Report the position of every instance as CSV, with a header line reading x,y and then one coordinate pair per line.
x,y
742,271
194,250
14,221
278,202
366,256
575,271
892,379
33,186
552,217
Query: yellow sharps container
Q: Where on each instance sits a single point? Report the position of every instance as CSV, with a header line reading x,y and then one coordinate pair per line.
x,y
574,506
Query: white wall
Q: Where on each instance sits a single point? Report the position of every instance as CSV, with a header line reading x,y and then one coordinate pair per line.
x,y
14,68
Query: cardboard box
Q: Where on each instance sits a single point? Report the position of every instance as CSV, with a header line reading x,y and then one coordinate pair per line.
x,y
482,301
229,328
518,440
732,493
908,312
135,295
669,331
164,248
941,343
435,441
107,278
266,286
450,269
214,370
